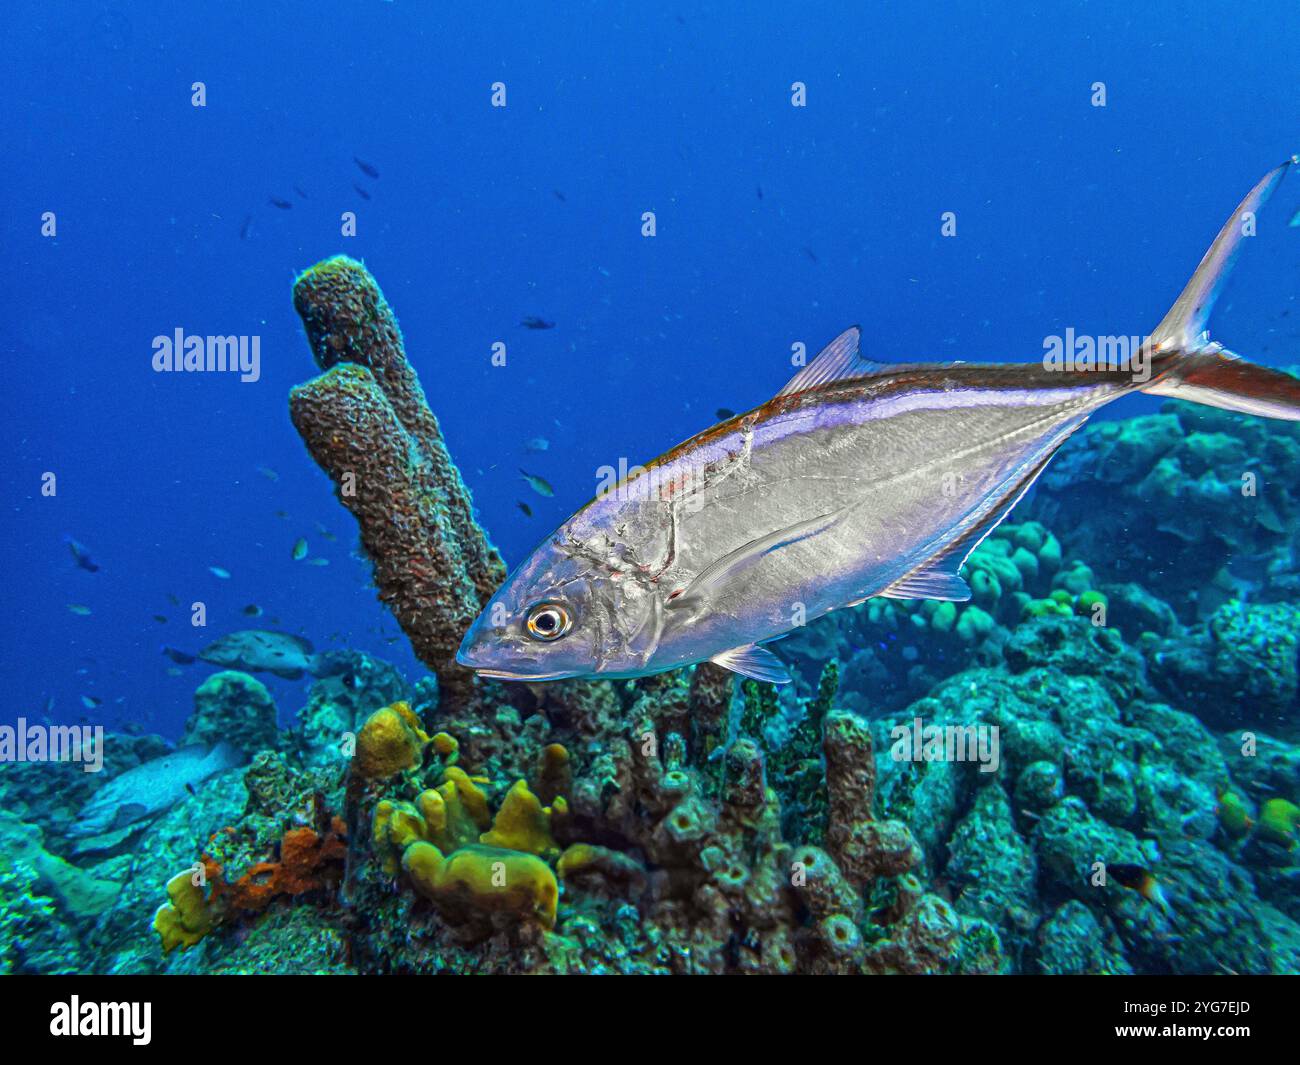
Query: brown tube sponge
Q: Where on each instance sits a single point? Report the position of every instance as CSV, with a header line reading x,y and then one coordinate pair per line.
x,y
367,424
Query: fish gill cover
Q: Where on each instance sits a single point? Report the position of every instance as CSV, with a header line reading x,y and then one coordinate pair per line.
x,y
339,646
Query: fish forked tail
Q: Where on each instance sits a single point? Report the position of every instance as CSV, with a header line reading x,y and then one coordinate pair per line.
x,y
1187,365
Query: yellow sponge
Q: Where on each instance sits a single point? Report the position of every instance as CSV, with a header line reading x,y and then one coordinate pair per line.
x,y
184,920
522,824
391,740
480,880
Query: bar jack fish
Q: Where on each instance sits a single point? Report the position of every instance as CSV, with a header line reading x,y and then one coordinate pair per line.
x,y
858,479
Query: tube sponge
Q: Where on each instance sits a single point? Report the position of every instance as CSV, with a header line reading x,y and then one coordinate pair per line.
x,y
367,424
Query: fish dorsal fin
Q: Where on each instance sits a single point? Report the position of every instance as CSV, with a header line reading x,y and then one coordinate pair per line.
x,y
838,360
754,662
722,571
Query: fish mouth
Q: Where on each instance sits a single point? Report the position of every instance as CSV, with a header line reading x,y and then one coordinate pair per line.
x,y
505,674
470,650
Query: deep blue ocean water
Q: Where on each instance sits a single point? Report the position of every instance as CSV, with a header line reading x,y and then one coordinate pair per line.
x,y
775,224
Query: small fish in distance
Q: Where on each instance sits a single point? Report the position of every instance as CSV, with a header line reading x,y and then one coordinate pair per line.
x,y
260,650
533,322
366,168
1140,879
540,485
80,555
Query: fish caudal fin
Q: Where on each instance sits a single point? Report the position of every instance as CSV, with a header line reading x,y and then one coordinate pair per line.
x,y
1218,378
1187,365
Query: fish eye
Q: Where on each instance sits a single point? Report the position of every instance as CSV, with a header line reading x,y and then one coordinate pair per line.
x,y
548,621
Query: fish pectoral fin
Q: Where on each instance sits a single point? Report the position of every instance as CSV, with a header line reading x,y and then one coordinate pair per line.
x,y
128,814
835,362
939,583
718,573
754,662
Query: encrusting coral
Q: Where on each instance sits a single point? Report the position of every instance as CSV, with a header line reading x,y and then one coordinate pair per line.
x,y
308,861
476,881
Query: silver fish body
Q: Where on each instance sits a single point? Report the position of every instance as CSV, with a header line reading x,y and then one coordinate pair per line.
x,y
814,501
857,480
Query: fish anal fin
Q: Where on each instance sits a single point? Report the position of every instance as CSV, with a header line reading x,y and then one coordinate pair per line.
x,y
938,577
838,360
941,583
754,662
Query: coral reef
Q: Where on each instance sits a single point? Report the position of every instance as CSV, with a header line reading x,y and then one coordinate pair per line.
x,y
335,710
1238,665
234,707
1091,767
34,935
894,650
